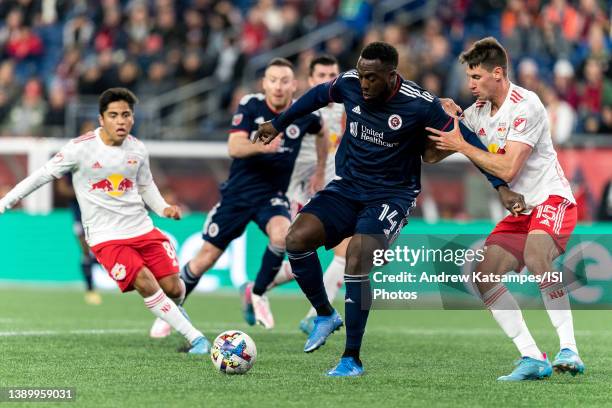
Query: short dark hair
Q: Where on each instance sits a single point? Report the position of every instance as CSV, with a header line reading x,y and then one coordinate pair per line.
x,y
324,59
488,53
116,94
280,62
386,53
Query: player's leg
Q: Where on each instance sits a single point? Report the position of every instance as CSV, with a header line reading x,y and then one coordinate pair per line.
x,y
276,228
333,280
225,222
377,226
507,313
87,261
545,242
164,308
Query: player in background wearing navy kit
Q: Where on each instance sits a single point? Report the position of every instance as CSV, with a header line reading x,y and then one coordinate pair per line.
x,y
514,124
65,189
378,166
322,69
255,190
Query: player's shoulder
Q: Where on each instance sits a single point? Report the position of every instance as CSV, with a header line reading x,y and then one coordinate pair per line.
x,y
412,91
85,138
525,100
347,78
252,98
135,143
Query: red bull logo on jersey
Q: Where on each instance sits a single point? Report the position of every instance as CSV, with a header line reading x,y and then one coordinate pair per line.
x,y
114,185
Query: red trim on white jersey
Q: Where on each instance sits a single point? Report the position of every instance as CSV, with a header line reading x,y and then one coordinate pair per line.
x,y
515,96
86,136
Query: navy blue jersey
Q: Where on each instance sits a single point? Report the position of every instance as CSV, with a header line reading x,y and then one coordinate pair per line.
x,y
380,151
260,176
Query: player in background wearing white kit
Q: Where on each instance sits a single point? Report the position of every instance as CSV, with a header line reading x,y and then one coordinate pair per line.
x,y
113,182
513,123
323,68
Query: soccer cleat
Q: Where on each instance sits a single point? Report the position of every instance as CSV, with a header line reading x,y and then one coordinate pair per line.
x,y
247,303
307,324
201,345
323,327
347,367
93,298
261,308
160,329
568,361
528,368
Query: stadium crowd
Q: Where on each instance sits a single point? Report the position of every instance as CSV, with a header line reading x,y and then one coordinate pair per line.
x,y
55,50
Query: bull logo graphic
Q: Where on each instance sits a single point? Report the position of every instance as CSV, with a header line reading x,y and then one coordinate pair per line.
x,y
114,185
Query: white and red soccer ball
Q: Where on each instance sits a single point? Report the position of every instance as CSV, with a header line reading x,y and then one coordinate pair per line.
x,y
233,352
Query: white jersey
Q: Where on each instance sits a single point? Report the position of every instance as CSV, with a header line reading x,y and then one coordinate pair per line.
x,y
110,183
305,164
522,118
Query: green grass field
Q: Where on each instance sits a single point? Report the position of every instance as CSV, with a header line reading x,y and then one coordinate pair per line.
x,y
50,338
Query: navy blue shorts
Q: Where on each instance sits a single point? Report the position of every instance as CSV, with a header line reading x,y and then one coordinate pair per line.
x,y
343,217
228,219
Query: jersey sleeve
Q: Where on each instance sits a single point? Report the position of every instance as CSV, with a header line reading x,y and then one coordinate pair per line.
x,y
242,121
144,176
438,119
316,124
64,161
527,124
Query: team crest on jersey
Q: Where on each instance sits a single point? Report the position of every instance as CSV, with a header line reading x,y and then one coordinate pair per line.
x,y
354,126
118,272
501,129
131,161
519,124
292,132
395,122
237,119
213,230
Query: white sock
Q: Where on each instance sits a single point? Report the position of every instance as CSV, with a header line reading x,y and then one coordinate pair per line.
x,y
333,279
556,301
283,275
161,306
179,300
506,312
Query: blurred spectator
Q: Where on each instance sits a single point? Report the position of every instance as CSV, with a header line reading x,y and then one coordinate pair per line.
x,y
78,32
563,15
528,75
55,116
561,116
564,83
27,117
604,212
254,32
591,91
128,75
111,34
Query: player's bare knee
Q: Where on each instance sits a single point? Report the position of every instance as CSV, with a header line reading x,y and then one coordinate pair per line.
x,y
172,286
536,261
145,283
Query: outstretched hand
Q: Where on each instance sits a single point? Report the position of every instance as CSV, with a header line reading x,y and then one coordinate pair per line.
x,y
266,133
451,108
173,212
452,140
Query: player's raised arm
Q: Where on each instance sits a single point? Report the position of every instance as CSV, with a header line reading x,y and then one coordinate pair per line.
x,y
61,163
316,98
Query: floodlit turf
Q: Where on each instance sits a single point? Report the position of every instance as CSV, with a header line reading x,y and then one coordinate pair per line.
x,y
49,337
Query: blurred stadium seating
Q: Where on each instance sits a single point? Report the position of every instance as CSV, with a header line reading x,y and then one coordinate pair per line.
x,y
189,61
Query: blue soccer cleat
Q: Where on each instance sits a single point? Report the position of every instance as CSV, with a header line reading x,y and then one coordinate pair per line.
x,y
528,368
347,367
247,303
200,346
568,361
323,327
307,324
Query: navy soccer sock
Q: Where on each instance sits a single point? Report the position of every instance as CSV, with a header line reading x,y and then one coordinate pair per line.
x,y
86,266
191,281
270,264
357,303
307,270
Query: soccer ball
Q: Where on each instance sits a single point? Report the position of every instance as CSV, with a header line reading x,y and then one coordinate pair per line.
x,y
233,352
